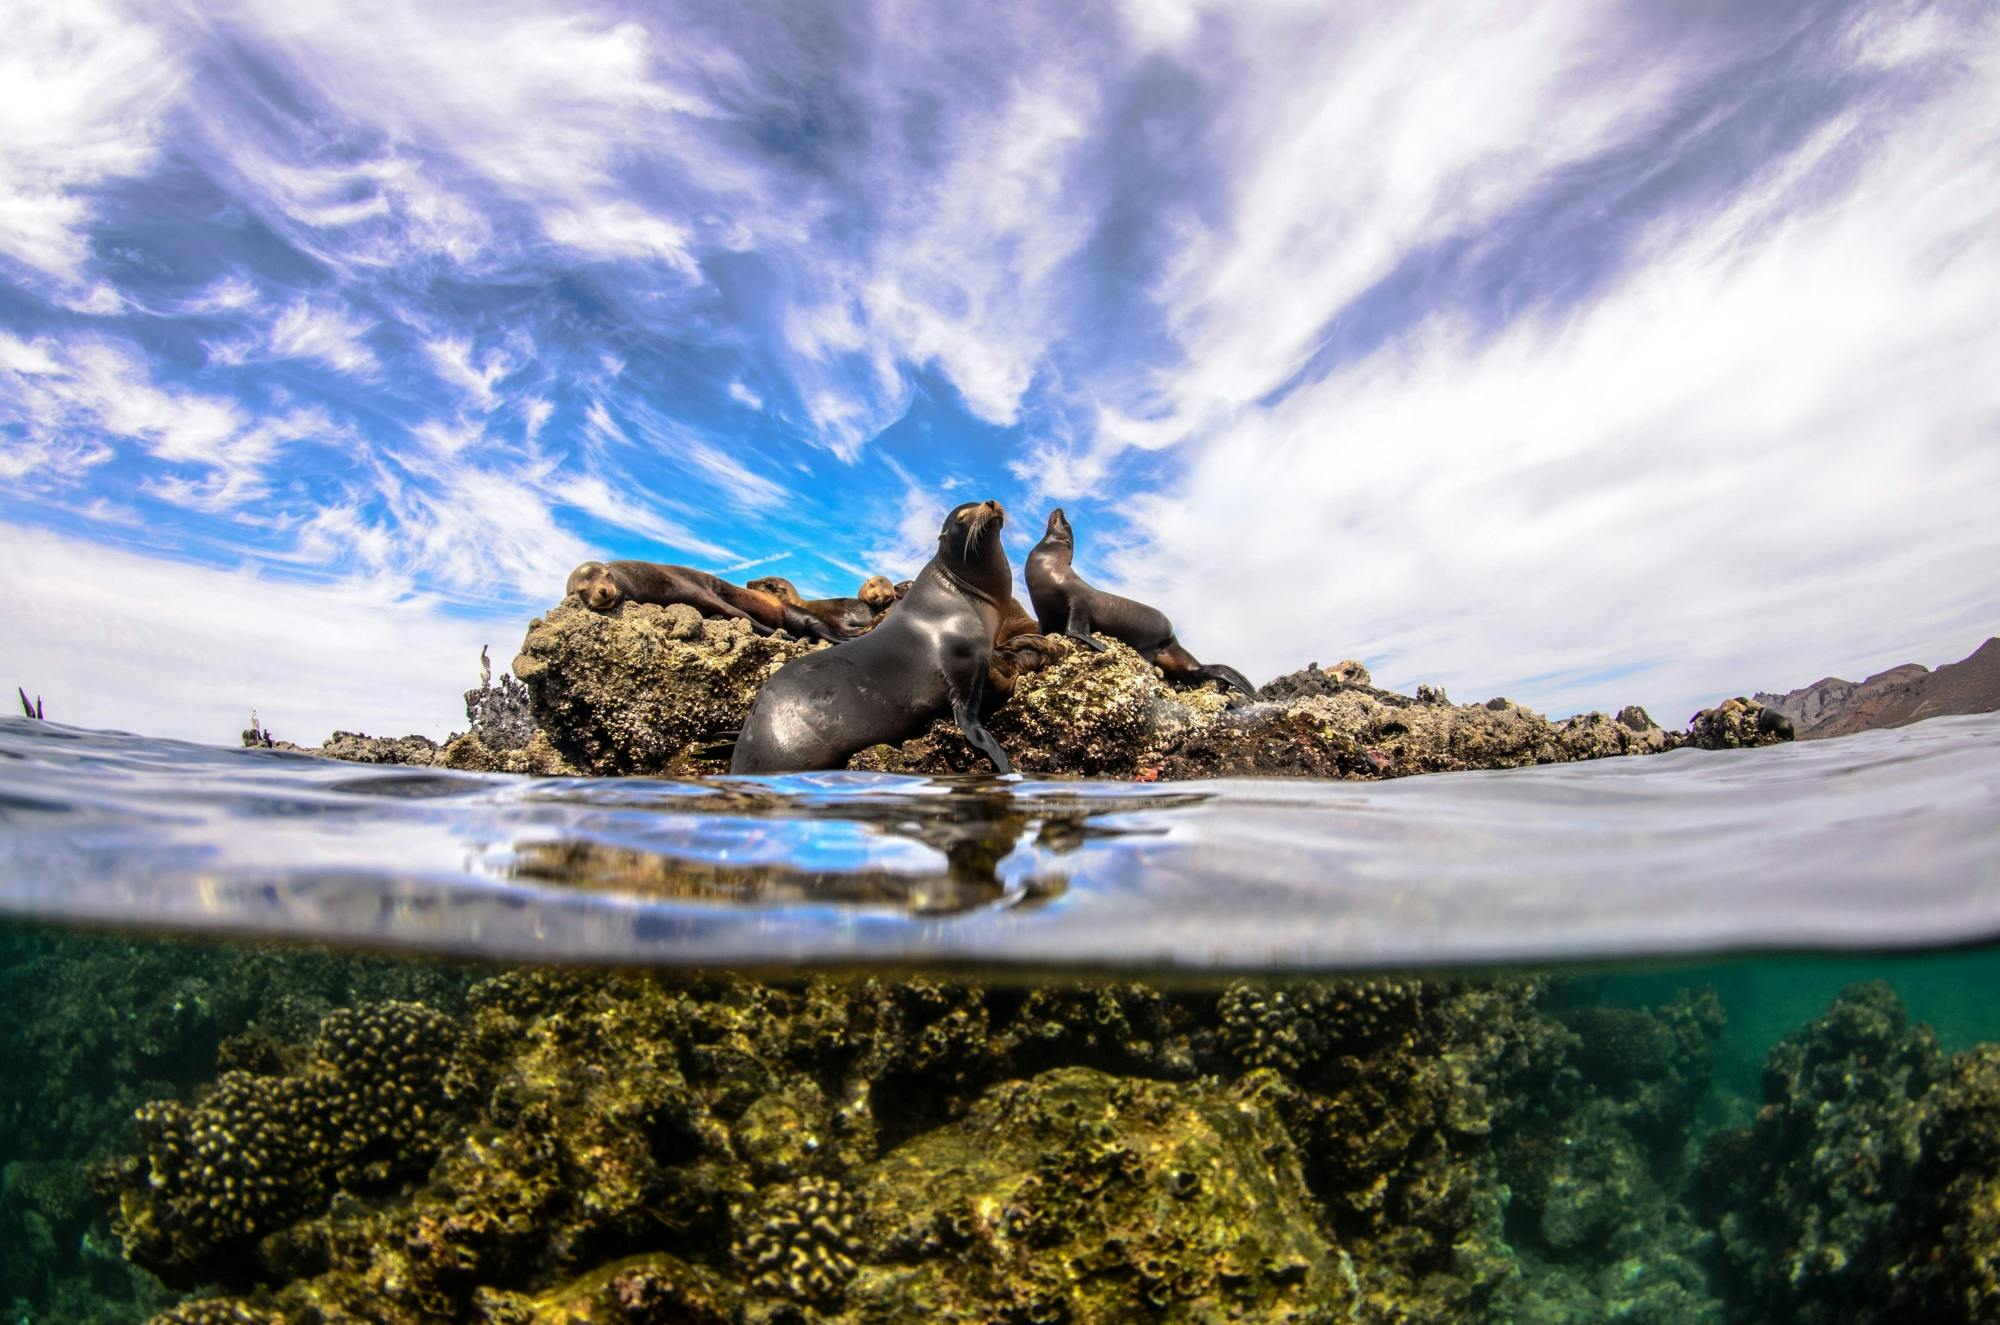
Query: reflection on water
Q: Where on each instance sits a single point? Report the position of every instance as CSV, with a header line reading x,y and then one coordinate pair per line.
x,y
1890,838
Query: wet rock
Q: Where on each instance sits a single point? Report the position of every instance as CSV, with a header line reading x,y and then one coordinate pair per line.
x,y
1081,1197
643,688
1737,724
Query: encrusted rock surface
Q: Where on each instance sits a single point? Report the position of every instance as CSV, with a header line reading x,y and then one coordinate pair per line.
x,y
1738,724
643,688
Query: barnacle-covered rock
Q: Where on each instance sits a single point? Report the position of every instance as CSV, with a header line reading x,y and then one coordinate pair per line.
x,y
1310,680
1737,724
644,688
1080,1197
800,1240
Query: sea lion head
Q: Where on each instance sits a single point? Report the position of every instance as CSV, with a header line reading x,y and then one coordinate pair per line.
x,y
969,547
779,588
592,582
878,593
1059,530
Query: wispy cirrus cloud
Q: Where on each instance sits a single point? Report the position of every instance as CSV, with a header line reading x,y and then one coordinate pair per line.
x,y
1498,338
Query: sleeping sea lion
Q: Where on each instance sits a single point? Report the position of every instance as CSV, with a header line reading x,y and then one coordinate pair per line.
x,y
847,617
1067,605
878,593
928,657
602,585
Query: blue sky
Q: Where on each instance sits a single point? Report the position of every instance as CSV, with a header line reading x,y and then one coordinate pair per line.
x,y
1584,353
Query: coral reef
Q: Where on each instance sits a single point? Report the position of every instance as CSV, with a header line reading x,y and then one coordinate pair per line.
x,y
859,1150
258,1151
1808,1195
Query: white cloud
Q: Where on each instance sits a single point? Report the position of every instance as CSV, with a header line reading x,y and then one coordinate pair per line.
x,y
320,332
82,91
744,396
74,400
1767,450
593,494
451,360
120,639
622,229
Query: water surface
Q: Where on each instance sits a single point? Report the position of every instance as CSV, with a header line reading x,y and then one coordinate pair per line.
x,y
1890,839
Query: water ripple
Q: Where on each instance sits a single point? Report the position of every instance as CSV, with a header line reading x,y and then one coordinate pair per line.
x,y
1881,840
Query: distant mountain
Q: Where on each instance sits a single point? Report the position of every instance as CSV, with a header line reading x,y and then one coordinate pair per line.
x,y
1895,698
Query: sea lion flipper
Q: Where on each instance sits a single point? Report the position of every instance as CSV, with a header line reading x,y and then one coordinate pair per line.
x,y
965,712
1079,626
1229,677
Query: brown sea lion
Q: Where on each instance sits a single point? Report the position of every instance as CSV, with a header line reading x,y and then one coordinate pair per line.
x,y
928,657
1066,604
1018,646
847,617
878,593
602,585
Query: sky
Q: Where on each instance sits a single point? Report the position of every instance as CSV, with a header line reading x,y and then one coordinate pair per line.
x,y
1583,353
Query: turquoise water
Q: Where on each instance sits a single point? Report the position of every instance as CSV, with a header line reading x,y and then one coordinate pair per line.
x,y
1689,1037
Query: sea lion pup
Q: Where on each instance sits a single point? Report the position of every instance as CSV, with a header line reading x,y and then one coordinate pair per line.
x,y
846,617
602,585
1066,604
928,657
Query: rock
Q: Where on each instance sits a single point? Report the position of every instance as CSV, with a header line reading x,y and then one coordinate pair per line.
x,y
502,716
1737,724
537,757
1082,1197
643,688
358,748
1313,681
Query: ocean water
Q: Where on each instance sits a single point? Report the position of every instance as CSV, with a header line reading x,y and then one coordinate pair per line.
x,y
1694,1037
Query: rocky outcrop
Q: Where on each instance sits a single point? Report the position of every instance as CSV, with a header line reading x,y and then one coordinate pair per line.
x,y
643,688
648,690
1894,698
1738,724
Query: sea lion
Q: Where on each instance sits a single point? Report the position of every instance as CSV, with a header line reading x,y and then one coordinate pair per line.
x,y
602,585
878,593
848,617
1066,604
928,657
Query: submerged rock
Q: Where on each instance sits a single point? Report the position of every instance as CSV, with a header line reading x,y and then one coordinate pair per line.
x,y
1082,1197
